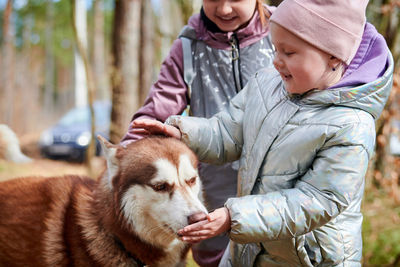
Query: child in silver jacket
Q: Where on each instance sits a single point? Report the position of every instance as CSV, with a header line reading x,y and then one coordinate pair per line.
x,y
304,133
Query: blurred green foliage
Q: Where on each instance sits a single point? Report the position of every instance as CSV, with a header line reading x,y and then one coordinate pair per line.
x,y
34,14
383,248
381,230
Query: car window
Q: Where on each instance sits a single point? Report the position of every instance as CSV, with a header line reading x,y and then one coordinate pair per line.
x,y
82,116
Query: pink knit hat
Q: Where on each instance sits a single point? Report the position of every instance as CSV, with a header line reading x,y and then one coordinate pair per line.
x,y
334,26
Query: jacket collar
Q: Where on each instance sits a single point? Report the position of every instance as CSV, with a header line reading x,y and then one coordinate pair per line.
x,y
369,62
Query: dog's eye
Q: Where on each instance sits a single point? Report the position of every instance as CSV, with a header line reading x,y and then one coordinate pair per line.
x,y
192,181
161,187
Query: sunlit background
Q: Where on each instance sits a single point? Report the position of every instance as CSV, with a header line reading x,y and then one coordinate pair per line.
x,y
43,81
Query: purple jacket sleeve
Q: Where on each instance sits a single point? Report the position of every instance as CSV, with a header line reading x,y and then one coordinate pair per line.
x,y
168,96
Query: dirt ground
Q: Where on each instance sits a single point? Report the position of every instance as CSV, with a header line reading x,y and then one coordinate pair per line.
x,y
46,167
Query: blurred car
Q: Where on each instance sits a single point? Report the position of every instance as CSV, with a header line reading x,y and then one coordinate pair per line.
x,y
70,136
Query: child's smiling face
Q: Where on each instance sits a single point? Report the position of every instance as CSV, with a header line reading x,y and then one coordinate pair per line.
x,y
302,66
229,15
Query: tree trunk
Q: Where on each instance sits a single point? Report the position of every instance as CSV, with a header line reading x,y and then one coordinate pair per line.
x,y
186,7
81,43
7,64
147,50
386,16
125,50
28,98
169,25
99,57
80,26
48,99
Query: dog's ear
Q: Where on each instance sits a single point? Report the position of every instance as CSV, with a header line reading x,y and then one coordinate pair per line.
x,y
109,153
105,145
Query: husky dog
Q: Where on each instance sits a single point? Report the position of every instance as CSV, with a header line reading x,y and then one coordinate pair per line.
x,y
9,146
129,217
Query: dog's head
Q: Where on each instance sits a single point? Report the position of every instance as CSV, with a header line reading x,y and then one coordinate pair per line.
x,y
156,183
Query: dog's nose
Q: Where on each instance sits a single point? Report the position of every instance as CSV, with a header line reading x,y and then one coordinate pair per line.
x,y
195,217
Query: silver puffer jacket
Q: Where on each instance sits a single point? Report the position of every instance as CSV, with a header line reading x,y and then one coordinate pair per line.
x,y
302,166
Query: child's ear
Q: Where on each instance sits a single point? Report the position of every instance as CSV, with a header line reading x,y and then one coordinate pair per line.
x,y
334,62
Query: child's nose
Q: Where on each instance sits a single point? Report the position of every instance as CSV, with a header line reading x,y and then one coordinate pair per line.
x,y
278,63
224,8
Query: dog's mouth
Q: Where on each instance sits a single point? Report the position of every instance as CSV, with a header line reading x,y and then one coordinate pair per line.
x,y
171,230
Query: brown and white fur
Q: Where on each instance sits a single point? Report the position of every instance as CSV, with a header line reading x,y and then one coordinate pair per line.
x,y
129,217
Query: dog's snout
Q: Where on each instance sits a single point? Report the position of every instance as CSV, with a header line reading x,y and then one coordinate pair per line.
x,y
195,217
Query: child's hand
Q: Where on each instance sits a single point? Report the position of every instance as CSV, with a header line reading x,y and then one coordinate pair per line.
x,y
217,222
147,126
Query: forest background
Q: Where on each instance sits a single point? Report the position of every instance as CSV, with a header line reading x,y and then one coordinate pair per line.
x,y
57,54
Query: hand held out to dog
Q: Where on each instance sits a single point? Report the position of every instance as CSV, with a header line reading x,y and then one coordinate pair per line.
x,y
147,126
207,226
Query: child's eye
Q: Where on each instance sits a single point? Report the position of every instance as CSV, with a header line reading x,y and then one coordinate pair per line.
x,y
288,53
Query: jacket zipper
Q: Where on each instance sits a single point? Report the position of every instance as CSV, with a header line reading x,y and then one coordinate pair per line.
x,y
235,56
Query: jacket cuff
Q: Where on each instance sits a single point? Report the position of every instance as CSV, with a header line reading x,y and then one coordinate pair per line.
x,y
175,121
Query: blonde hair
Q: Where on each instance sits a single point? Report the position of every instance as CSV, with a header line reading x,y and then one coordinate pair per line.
x,y
263,12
